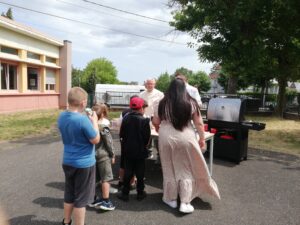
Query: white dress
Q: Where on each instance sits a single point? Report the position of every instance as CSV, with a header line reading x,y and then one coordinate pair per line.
x,y
185,172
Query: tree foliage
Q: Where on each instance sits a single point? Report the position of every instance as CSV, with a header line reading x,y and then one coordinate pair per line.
x,y
8,14
76,77
163,82
200,80
99,71
197,79
247,38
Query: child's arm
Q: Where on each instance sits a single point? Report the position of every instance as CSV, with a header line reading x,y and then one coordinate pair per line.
x,y
94,120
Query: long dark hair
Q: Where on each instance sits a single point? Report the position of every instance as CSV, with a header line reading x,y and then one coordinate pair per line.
x,y
176,106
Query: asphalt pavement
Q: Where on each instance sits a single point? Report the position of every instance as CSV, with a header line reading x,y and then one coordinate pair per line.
x,y
263,190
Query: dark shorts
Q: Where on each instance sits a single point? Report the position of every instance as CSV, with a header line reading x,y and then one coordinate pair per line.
x,y
79,185
105,171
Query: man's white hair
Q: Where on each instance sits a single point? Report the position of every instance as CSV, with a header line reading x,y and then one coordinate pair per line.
x,y
150,79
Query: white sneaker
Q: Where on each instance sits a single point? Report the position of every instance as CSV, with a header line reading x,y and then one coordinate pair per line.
x,y
172,204
190,207
186,208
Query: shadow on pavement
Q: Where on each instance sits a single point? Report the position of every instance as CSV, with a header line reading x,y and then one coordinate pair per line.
x,y
58,185
292,168
48,202
39,140
153,202
287,160
30,219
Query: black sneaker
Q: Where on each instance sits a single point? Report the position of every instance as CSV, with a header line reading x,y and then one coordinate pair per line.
x,y
141,195
95,203
123,197
63,222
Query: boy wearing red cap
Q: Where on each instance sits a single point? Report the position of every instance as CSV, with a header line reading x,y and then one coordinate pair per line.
x,y
135,134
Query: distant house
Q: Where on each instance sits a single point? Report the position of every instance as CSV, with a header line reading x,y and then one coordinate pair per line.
x,y
35,69
215,87
295,86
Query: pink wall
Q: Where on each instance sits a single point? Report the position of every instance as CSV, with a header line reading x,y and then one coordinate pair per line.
x,y
23,102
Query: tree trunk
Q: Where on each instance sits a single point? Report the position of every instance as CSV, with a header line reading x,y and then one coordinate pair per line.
x,y
281,97
232,84
262,94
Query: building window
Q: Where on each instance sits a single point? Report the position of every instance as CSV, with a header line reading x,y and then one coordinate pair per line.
x,y
50,80
32,78
9,50
32,55
8,77
50,60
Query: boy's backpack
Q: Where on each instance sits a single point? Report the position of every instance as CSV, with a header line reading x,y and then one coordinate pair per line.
x,y
104,149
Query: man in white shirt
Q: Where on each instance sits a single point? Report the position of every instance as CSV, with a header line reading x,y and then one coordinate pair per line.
x,y
152,96
193,92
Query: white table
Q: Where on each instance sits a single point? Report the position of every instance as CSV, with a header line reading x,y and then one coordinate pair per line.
x,y
208,137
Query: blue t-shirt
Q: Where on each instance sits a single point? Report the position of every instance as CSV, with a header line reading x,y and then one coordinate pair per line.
x,y
76,131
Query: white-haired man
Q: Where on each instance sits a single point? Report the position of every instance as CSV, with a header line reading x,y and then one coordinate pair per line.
x,y
152,96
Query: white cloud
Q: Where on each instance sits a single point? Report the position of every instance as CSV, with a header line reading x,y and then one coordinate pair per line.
x,y
135,58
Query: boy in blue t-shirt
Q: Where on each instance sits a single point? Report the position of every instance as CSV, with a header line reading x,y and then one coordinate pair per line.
x,y
79,134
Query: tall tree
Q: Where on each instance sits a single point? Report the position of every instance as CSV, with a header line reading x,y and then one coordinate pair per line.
x,y
99,71
188,73
282,40
197,79
76,77
200,80
163,82
239,34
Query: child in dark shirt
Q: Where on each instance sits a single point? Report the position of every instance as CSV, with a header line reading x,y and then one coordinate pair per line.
x,y
121,170
134,134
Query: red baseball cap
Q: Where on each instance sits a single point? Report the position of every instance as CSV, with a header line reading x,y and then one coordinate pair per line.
x,y
136,103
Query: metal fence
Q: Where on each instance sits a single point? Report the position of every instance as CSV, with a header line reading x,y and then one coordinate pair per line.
x,y
115,98
293,109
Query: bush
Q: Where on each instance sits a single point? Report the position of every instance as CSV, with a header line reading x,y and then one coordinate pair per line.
x,y
291,94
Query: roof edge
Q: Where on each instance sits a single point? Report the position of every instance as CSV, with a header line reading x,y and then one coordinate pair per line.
x,y
23,29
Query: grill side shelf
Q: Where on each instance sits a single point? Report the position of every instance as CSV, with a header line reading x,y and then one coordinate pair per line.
x,y
254,125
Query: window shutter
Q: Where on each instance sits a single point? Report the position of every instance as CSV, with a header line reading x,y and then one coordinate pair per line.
x,y
50,77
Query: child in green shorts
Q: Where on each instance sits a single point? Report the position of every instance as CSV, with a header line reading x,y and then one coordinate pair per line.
x,y
105,157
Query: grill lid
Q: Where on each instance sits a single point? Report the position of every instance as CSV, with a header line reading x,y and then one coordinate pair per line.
x,y
226,109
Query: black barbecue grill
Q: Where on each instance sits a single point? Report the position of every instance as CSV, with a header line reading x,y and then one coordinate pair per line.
x,y
225,117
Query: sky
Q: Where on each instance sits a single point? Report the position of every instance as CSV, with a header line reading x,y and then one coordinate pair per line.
x,y
114,35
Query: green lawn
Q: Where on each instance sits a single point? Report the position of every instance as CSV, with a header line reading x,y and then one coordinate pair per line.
x,y
18,125
280,135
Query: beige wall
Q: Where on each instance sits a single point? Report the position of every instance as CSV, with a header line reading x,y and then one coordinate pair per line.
x,y
21,41
24,99
65,61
